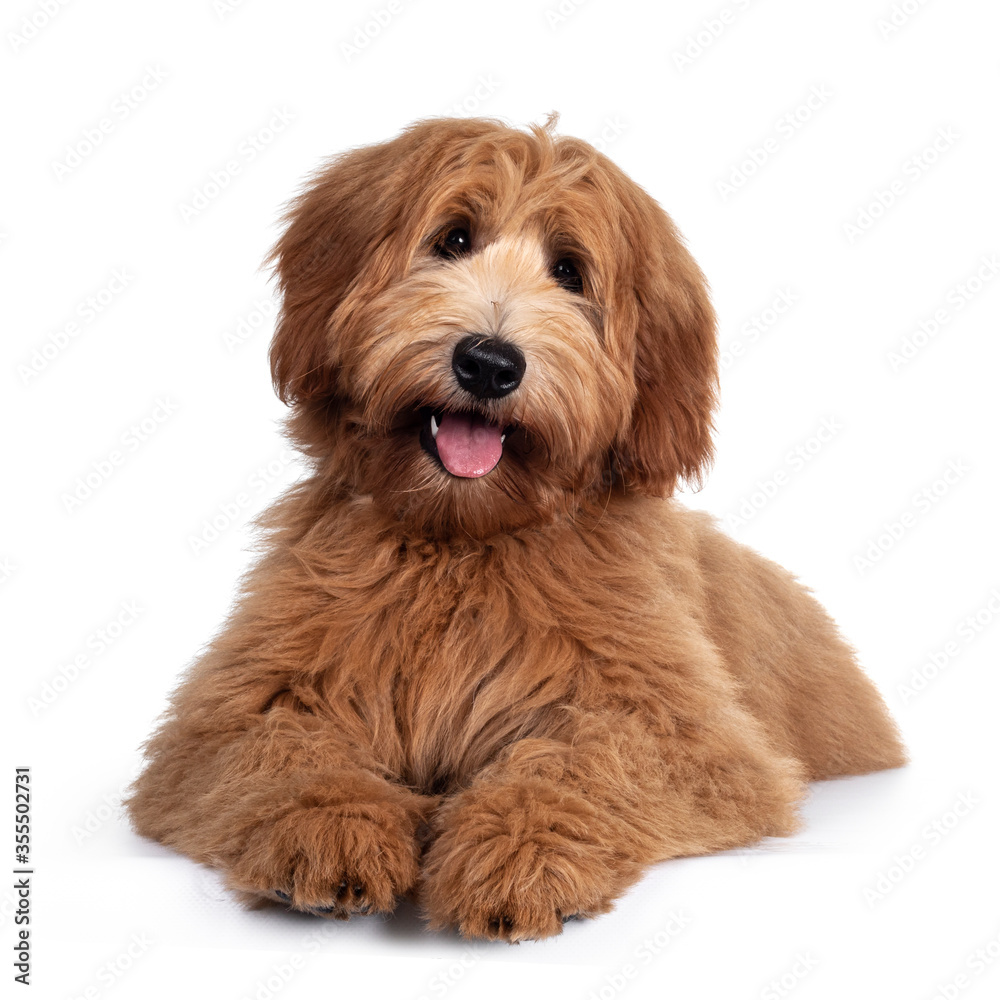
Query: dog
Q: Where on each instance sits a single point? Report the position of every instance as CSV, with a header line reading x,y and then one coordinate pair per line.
x,y
485,660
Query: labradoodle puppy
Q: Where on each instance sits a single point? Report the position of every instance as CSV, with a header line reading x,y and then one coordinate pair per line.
x,y
485,660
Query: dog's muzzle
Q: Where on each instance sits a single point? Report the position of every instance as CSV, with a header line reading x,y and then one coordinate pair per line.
x,y
466,443
486,367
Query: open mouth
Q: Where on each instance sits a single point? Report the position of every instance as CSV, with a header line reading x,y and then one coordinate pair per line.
x,y
464,442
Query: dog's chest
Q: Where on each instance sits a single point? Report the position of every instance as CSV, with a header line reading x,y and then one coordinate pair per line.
x,y
449,655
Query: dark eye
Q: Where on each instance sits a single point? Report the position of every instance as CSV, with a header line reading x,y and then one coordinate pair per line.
x,y
456,242
567,275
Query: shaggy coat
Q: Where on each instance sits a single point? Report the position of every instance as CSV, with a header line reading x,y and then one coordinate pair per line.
x,y
504,690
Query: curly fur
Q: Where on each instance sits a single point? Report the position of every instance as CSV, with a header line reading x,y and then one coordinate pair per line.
x,y
506,695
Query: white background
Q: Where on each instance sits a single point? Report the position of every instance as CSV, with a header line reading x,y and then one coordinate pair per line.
x,y
872,900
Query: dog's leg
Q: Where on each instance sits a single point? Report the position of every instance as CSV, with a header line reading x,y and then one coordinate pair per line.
x,y
254,773
559,827
285,811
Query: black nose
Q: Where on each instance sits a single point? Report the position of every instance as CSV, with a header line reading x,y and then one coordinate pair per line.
x,y
486,367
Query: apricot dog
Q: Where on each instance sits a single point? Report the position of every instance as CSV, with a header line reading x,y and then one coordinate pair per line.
x,y
485,660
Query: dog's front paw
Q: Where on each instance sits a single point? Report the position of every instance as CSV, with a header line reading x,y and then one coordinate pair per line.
x,y
515,862
333,860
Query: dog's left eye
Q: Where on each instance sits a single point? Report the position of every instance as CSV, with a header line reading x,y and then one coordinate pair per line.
x,y
567,275
455,243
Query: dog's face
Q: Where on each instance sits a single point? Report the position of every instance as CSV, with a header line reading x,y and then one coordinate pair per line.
x,y
482,327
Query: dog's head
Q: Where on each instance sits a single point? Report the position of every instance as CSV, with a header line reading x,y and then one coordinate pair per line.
x,y
482,327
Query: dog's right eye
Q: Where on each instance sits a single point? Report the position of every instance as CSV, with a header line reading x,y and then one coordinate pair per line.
x,y
456,242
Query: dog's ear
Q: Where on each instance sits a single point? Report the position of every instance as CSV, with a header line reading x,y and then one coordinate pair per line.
x,y
676,364
331,229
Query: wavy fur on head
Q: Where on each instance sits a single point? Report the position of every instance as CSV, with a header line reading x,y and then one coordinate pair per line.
x,y
504,692
622,376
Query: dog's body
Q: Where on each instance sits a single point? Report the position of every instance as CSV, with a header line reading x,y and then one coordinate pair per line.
x,y
483,661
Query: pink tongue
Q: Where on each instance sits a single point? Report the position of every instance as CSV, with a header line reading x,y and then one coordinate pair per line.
x,y
467,445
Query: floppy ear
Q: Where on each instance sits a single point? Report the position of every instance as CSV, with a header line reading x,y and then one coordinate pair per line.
x,y
331,228
676,372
